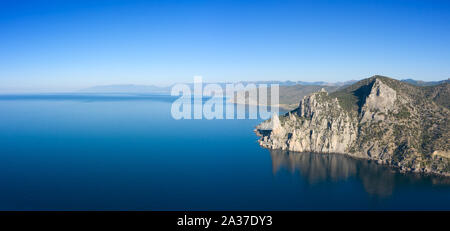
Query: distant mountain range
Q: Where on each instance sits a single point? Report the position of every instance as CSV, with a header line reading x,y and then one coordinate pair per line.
x,y
292,92
424,83
126,88
133,88
287,88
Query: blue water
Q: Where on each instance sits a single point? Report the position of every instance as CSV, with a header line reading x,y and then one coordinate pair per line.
x,y
82,152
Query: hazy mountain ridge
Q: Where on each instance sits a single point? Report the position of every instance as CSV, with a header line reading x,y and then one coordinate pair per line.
x,y
292,92
136,88
424,83
126,88
378,118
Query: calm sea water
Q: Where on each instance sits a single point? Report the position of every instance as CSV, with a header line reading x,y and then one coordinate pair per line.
x,y
83,152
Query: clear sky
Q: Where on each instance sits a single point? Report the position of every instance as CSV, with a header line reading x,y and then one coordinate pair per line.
x,y
67,45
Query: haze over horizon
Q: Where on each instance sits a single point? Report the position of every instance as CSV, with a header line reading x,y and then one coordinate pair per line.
x,y
71,45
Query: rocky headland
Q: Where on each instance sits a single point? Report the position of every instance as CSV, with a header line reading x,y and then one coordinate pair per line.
x,y
378,118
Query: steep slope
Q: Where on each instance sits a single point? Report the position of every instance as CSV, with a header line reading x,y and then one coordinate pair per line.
x,y
376,118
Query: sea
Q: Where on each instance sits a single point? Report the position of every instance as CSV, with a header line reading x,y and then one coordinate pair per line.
x,y
127,152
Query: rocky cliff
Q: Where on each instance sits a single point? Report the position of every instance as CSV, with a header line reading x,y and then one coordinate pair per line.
x,y
377,118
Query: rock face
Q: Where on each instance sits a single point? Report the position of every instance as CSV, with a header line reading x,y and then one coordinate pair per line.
x,y
377,118
380,101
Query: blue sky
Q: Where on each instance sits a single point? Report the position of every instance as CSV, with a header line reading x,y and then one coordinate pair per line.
x,y
67,45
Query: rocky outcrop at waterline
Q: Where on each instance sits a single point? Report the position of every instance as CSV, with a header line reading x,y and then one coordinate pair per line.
x,y
377,118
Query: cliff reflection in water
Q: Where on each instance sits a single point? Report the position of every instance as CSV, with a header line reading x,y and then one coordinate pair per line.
x,y
377,179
